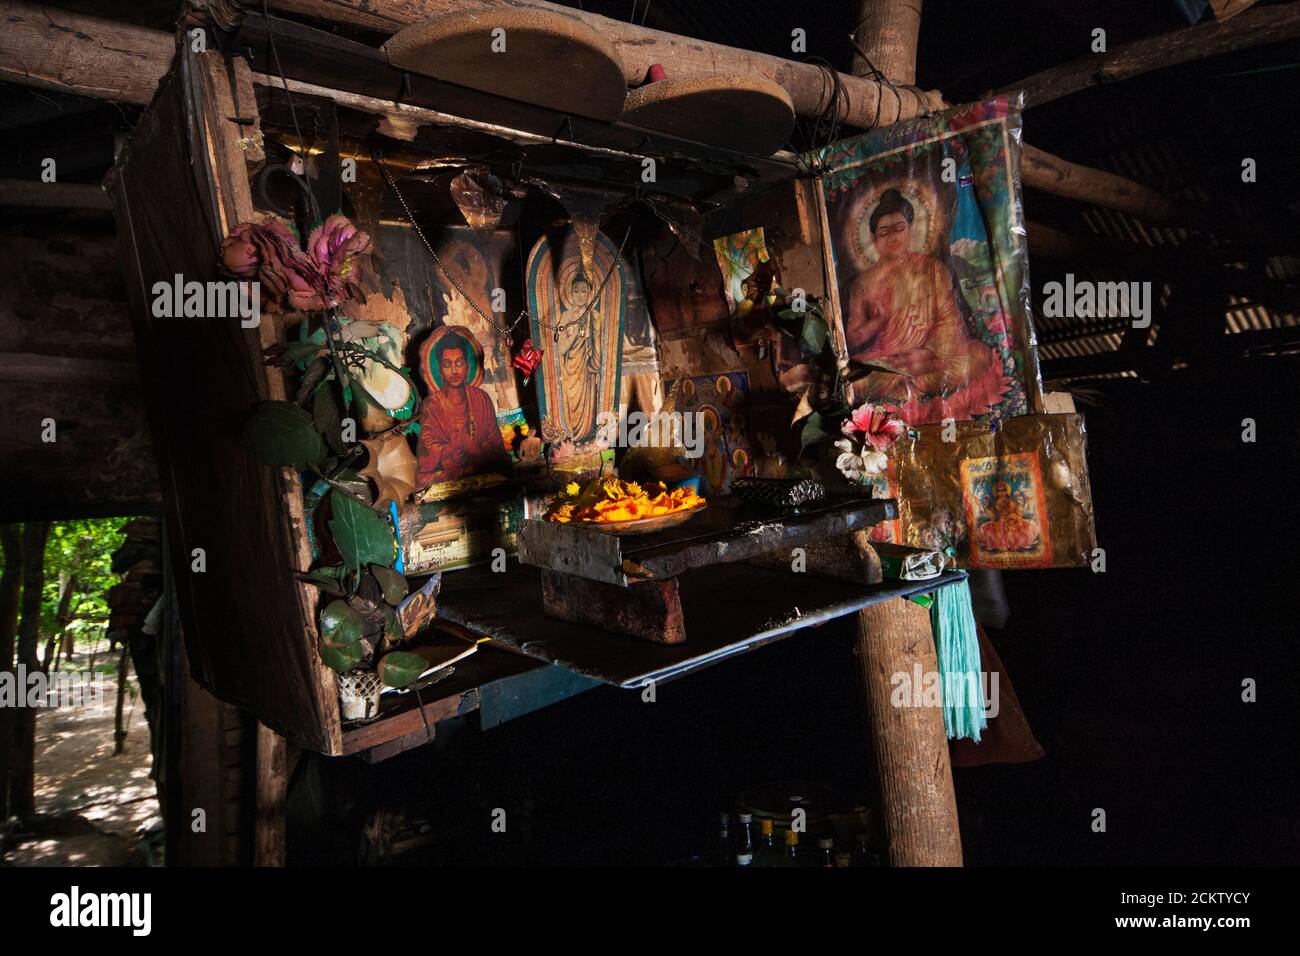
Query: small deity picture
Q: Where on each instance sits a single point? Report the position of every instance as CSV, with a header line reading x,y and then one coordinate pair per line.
x,y
1005,511
459,435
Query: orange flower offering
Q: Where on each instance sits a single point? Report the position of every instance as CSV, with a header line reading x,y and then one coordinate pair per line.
x,y
612,499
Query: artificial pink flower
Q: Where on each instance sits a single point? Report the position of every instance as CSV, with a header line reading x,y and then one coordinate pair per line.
x,y
269,250
877,427
239,252
342,253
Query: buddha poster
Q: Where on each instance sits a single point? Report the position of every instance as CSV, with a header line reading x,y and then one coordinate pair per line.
x,y
479,266
931,287
459,435
579,377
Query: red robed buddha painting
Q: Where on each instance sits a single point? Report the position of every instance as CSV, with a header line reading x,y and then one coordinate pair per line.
x,y
459,435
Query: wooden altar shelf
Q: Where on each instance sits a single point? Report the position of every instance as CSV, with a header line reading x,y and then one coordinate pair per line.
x,y
631,585
726,531
498,684
730,609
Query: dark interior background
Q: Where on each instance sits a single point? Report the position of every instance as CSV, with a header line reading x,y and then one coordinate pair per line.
x,y
1131,679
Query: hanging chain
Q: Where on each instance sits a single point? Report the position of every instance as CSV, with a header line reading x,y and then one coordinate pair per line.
x,y
504,330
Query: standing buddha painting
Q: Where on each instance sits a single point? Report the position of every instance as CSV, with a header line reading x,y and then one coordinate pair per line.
x,y
931,282
579,377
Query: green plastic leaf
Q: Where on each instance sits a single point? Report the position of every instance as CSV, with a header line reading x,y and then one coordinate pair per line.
x,y
283,435
360,534
401,668
391,583
341,657
341,624
300,351
813,430
328,583
813,337
394,634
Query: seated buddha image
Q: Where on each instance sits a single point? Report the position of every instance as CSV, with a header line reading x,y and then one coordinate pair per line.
x,y
1007,528
902,314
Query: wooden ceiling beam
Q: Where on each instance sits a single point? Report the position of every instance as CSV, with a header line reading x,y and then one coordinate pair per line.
x,y
1254,27
866,104
56,49
89,56
39,195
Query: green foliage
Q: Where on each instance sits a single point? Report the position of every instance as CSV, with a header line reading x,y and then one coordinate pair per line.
x,y
341,629
361,534
391,583
814,429
80,553
282,434
401,668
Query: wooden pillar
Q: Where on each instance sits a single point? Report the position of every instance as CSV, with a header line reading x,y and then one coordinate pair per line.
x,y
916,794
887,31
272,789
911,747
22,799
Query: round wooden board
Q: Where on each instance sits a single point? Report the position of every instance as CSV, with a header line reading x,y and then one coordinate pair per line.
x,y
549,59
749,114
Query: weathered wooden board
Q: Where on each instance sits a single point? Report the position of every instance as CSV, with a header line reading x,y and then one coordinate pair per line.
x,y
399,714
747,113
726,531
534,56
732,608
248,626
651,611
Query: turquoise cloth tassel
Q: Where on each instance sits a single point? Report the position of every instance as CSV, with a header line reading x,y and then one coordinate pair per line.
x,y
960,679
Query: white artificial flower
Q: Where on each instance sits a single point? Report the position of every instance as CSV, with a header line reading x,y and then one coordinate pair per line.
x,y
874,462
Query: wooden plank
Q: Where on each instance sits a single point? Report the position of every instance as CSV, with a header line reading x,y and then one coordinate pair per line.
x,y
590,555
651,611
847,557
457,695
732,609
27,367
204,375
56,49
226,128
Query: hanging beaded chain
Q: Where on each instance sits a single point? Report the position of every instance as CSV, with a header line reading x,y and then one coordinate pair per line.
x,y
503,330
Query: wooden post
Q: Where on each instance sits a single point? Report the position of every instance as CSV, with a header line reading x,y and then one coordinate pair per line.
x,y
11,589
272,790
916,793
887,32
22,793
910,744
